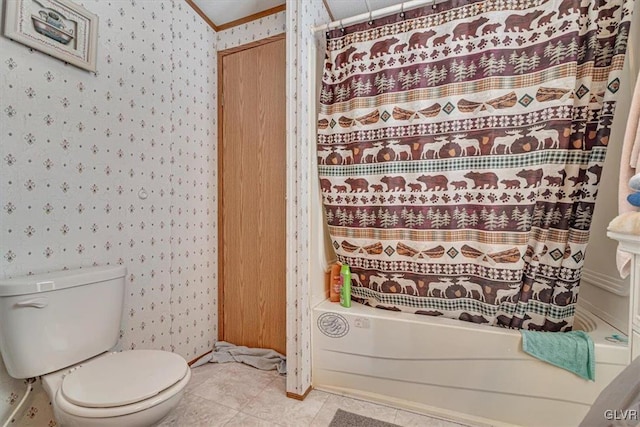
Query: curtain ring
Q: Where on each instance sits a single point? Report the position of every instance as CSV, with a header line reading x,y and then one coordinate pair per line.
x,y
433,6
402,10
366,3
341,26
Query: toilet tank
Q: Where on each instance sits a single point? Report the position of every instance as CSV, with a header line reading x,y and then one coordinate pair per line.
x,y
54,320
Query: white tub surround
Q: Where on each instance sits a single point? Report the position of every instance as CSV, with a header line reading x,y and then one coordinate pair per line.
x,y
630,243
455,369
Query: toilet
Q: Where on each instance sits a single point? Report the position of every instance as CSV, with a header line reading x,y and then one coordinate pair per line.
x,y
61,327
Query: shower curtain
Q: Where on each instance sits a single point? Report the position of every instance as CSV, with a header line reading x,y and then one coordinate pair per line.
x,y
460,150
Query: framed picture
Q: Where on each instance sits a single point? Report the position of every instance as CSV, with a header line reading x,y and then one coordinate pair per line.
x,y
59,28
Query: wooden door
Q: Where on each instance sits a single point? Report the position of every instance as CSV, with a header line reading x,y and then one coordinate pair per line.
x,y
252,188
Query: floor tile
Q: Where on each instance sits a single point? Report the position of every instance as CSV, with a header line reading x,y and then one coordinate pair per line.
x,y
273,405
360,407
196,411
245,420
238,395
233,385
410,419
201,374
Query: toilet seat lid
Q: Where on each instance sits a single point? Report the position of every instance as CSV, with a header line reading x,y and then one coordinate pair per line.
x,y
123,378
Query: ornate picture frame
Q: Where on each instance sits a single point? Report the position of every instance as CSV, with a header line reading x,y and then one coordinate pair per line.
x,y
59,28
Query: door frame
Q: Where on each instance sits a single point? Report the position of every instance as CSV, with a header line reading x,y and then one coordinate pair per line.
x,y
221,55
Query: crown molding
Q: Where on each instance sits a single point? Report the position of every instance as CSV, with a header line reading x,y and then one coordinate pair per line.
x,y
203,15
252,17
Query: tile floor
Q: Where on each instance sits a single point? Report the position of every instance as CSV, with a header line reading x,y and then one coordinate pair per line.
x,y
233,394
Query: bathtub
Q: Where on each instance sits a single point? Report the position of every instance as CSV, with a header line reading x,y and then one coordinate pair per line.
x,y
457,370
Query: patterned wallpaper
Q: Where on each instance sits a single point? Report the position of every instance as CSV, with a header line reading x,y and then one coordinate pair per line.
x,y
301,16
251,31
77,148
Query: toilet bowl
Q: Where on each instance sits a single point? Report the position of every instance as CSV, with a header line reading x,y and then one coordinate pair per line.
x,y
62,326
130,388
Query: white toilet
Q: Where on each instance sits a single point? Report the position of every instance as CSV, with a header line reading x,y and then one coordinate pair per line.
x,y
61,325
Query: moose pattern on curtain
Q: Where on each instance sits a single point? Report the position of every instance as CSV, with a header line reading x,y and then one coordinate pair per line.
x,y
460,150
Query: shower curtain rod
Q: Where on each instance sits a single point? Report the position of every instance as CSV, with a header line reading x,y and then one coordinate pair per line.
x,y
367,16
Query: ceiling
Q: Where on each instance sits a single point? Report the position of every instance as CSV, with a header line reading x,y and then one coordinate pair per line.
x,y
341,9
222,12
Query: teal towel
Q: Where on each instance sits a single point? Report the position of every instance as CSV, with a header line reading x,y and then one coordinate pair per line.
x,y
572,351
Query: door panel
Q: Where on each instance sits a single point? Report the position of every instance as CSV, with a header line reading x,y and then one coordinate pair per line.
x,y
253,197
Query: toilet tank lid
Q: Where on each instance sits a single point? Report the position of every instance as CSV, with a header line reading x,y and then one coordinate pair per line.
x,y
54,280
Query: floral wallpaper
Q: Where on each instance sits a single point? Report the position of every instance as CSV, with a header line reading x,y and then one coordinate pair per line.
x,y
193,212
301,16
261,28
80,151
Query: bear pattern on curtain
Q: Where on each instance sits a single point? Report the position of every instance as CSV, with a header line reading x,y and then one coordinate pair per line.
x,y
460,150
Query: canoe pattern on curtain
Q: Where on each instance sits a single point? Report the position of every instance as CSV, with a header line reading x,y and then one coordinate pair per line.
x,y
460,150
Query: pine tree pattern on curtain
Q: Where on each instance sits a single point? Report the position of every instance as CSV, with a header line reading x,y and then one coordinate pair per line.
x,y
460,150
